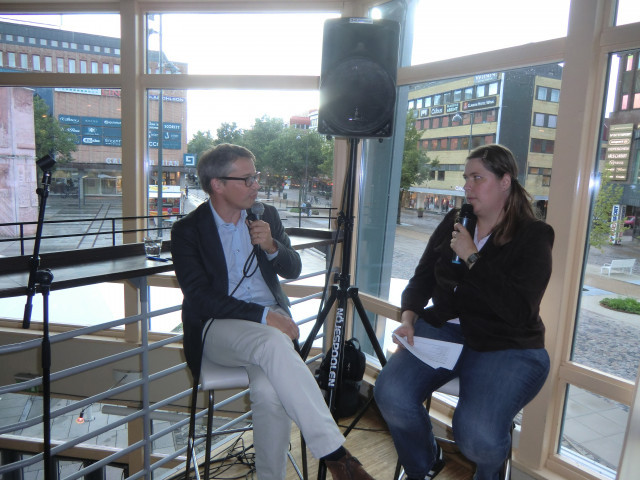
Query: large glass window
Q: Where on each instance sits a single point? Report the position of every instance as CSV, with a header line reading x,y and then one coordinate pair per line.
x,y
263,44
607,329
57,34
466,30
628,11
438,187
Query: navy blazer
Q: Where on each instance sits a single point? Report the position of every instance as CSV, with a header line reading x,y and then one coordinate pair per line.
x,y
201,270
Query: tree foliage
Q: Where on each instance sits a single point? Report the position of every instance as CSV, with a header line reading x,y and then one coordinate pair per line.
x,y
414,160
415,164
279,150
200,142
50,137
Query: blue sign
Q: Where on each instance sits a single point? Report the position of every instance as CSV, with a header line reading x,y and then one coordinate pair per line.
x,y
189,160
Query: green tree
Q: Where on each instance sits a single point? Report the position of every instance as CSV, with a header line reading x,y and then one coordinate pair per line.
x,y
230,133
415,164
50,137
280,150
610,194
200,142
258,139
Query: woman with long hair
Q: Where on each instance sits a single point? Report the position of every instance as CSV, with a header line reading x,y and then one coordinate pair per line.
x,y
489,302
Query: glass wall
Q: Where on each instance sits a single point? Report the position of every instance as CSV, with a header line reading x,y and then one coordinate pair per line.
x,y
478,27
607,327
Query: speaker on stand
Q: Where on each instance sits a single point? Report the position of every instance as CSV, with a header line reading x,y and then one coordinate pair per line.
x,y
357,100
358,77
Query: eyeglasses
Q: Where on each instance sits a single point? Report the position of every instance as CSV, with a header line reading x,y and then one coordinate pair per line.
x,y
248,181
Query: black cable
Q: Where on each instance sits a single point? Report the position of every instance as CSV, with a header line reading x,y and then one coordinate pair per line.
x,y
240,457
245,269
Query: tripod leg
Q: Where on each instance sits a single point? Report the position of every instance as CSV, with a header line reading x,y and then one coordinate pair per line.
x,y
353,293
306,348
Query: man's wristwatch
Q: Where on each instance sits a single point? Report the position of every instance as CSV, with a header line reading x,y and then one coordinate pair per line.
x,y
473,258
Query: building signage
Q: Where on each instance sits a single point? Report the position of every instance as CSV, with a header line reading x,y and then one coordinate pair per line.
x,y
479,103
91,130
69,119
91,140
618,148
439,110
452,107
189,160
112,141
82,91
618,213
110,92
103,92
167,98
98,131
166,163
484,78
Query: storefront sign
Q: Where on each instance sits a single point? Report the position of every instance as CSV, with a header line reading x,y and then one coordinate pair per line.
x,y
618,148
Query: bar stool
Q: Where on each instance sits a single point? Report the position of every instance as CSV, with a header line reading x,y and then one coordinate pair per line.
x,y
211,377
452,388
215,377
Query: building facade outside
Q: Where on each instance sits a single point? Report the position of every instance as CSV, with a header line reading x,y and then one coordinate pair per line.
x,y
456,116
93,115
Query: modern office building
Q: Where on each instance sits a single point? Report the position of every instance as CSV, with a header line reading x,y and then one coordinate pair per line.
x,y
457,116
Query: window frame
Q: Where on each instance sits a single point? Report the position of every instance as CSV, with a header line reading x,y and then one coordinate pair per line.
x,y
576,144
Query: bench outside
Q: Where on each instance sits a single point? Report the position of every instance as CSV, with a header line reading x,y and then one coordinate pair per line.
x,y
619,265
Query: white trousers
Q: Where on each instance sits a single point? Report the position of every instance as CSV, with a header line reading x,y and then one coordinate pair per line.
x,y
282,388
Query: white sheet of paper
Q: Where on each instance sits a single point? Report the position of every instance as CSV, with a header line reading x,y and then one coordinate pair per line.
x,y
435,353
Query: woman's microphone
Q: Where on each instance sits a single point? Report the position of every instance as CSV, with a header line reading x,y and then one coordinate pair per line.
x,y
467,220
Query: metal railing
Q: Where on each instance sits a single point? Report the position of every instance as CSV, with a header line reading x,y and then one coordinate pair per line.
x,y
143,410
112,230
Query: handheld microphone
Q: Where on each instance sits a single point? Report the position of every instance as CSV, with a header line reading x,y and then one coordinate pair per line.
x,y
467,220
257,209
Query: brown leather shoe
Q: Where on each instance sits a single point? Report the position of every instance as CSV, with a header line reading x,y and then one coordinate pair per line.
x,y
347,468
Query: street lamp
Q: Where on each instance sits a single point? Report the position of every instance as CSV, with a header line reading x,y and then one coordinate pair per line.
x,y
458,118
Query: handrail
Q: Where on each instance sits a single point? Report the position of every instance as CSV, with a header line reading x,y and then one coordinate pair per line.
x,y
113,231
142,412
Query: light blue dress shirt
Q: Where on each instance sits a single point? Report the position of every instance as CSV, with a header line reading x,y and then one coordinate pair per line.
x,y
236,243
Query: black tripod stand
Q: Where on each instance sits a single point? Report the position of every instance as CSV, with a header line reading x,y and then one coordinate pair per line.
x,y
341,293
43,278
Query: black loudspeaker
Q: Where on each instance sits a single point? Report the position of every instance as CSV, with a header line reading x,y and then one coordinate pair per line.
x,y
358,77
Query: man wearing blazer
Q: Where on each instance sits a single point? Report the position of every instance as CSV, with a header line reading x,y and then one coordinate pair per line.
x,y
235,312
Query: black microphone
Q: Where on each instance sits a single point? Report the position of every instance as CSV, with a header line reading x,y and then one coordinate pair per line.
x,y
467,220
257,209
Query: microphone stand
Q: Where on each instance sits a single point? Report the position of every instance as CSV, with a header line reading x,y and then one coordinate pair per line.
x,y
341,293
43,278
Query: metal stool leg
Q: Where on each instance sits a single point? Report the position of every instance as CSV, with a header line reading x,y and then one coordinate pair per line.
x,y
191,454
207,461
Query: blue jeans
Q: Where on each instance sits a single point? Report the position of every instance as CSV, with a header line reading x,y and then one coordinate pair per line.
x,y
494,387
